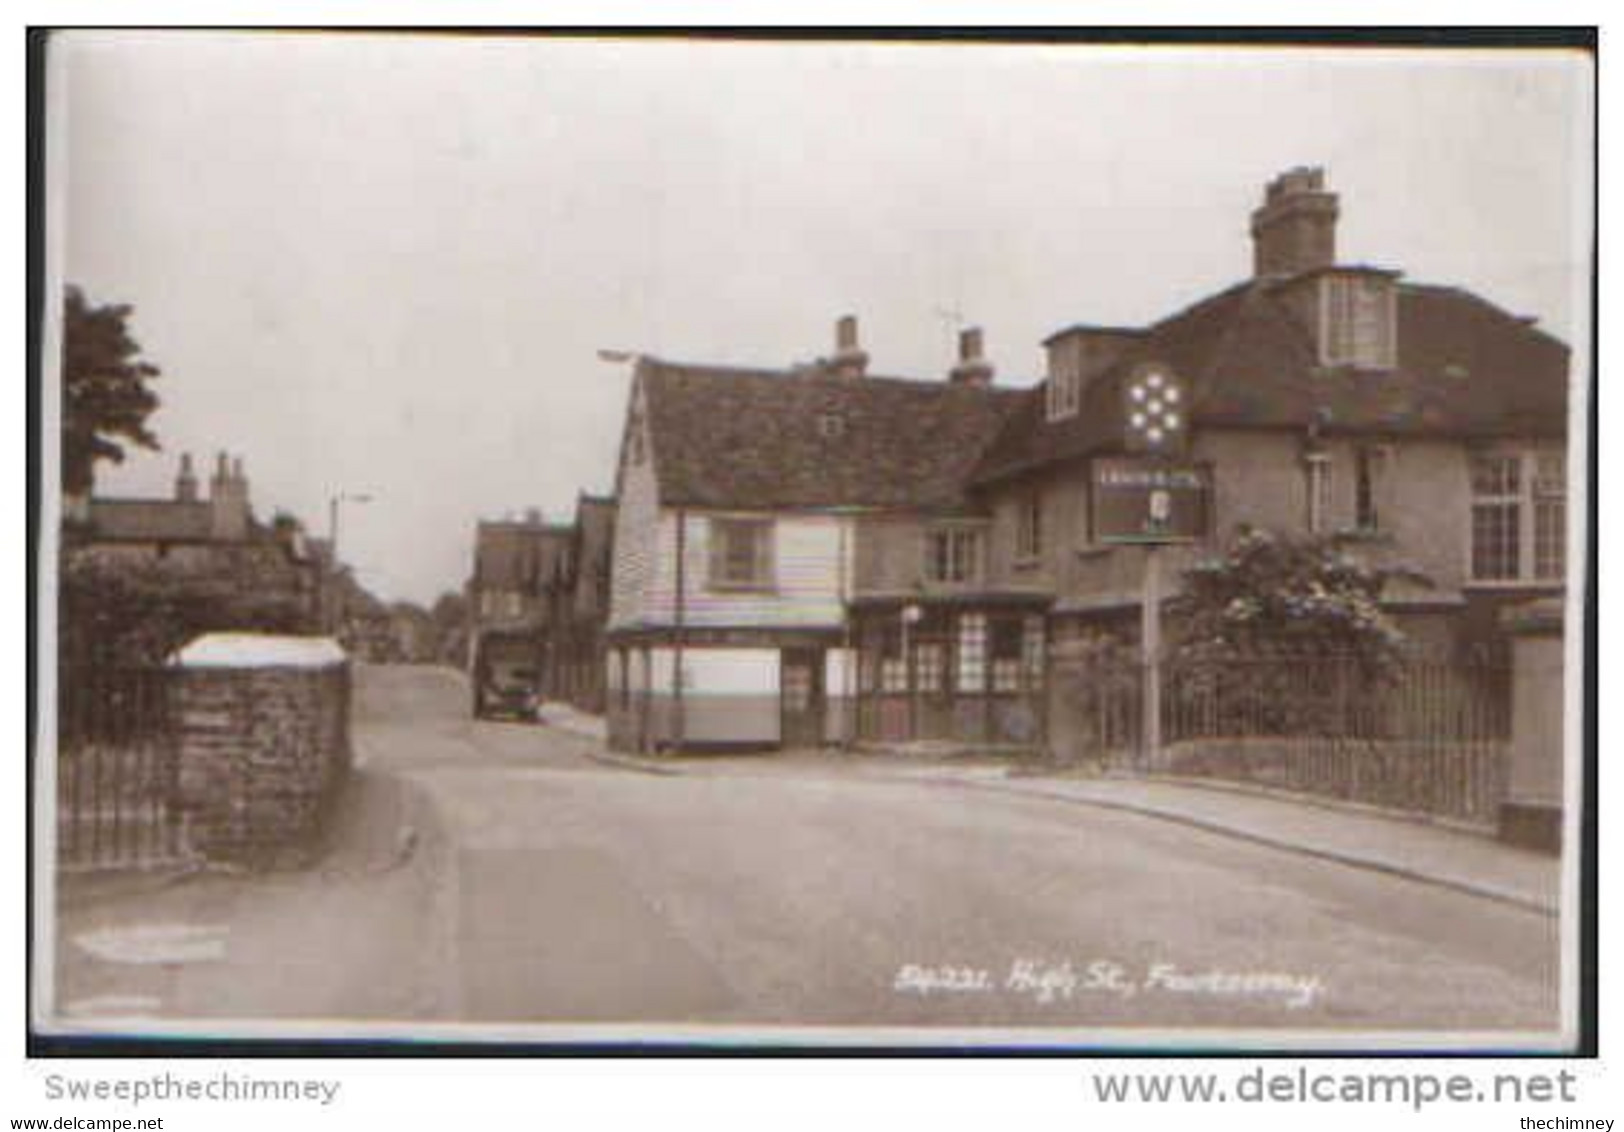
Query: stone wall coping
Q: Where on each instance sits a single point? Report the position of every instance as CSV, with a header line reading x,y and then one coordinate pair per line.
x,y
259,650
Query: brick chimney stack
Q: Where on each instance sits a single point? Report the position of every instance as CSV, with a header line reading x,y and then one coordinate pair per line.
x,y
850,360
186,480
228,501
973,368
1294,230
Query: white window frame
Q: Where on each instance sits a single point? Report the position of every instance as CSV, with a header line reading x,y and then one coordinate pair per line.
x,y
1063,396
962,557
1540,487
764,578
1342,317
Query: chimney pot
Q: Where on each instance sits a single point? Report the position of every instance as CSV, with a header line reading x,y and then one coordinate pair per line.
x,y
186,480
1294,230
850,360
970,344
973,367
846,332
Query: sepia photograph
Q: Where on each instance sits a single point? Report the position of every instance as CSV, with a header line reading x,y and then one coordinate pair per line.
x,y
660,541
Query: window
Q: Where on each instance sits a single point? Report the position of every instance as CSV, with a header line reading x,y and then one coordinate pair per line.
x,y
1550,515
831,425
741,554
1370,467
952,555
972,674
1356,321
1061,396
930,665
1317,488
1029,528
1519,516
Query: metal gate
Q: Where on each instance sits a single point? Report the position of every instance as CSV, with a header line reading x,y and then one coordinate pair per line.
x,y
116,769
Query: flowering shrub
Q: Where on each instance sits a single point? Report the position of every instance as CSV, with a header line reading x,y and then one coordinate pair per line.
x,y
1272,594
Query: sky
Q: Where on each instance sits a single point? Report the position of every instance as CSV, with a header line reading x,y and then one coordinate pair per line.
x,y
387,264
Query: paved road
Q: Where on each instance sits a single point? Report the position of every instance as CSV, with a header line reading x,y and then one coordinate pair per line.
x,y
574,891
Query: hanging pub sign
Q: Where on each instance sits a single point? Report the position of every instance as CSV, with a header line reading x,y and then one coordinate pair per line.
x,y
1148,500
1154,410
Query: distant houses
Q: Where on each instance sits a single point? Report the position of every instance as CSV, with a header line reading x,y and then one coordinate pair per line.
x,y
191,558
821,555
537,599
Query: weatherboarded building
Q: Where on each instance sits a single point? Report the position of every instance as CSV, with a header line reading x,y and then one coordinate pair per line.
x,y
758,510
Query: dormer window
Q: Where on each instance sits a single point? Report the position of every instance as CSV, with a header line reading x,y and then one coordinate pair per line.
x,y
1062,396
1357,320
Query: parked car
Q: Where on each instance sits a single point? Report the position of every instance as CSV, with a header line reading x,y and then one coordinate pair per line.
x,y
509,692
507,680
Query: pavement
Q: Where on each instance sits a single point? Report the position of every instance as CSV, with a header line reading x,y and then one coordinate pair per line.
x,y
1452,857
498,873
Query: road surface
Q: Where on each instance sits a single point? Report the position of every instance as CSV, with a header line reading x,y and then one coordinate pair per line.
x,y
494,872
817,896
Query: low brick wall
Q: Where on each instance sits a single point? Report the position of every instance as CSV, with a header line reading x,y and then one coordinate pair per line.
x,y
262,752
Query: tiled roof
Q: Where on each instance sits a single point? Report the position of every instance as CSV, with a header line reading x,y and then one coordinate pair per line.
x,y
1465,368
761,439
149,520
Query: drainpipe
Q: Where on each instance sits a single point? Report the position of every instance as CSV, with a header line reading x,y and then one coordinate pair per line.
x,y
848,662
678,722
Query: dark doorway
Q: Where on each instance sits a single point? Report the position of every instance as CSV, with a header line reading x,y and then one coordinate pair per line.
x,y
801,697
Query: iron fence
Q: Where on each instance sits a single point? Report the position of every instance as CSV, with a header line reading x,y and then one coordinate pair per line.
x,y
115,768
1422,735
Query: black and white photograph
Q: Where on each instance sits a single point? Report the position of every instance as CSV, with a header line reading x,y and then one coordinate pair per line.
x,y
660,541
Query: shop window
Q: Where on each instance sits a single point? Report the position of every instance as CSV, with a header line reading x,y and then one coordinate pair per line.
x,y
972,667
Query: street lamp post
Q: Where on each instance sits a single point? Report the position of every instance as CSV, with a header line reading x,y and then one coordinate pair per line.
x,y
333,502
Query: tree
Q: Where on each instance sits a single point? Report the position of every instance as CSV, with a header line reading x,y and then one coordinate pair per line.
x,y
114,613
105,396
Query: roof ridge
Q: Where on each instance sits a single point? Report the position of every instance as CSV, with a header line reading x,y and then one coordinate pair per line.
x,y
705,369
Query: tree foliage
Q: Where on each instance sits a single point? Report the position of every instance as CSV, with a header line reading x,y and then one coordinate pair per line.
x,y
121,614
105,395
1271,593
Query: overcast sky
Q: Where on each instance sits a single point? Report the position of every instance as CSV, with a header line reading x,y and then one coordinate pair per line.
x,y
386,264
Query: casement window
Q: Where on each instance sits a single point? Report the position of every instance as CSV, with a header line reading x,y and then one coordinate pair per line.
x,y
1062,396
930,666
1550,488
1370,470
972,669
1317,491
1519,516
1029,527
1357,319
952,554
831,426
741,554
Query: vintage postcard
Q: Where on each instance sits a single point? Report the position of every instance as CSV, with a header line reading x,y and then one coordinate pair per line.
x,y
662,541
